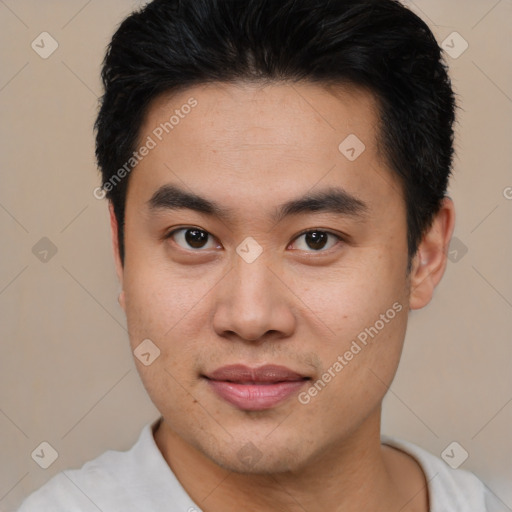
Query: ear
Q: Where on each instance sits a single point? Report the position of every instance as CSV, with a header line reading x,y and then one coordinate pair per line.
x,y
429,262
115,246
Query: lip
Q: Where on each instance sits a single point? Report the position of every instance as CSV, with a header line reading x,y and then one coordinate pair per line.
x,y
255,389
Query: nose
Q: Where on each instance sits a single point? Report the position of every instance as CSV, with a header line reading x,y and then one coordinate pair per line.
x,y
253,304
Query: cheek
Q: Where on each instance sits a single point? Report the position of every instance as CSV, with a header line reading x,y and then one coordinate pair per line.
x,y
172,310
357,371
350,298
363,311
157,299
158,308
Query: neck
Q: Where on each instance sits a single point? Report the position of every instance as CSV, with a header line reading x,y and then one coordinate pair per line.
x,y
355,474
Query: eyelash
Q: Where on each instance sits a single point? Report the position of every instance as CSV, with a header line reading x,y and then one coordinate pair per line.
x,y
314,230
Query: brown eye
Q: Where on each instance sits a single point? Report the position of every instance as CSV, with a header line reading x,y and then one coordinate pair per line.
x,y
317,240
192,238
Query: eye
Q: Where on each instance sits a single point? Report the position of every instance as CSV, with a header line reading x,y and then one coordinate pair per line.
x,y
317,240
192,238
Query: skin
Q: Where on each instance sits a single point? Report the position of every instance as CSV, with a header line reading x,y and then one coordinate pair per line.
x,y
251,148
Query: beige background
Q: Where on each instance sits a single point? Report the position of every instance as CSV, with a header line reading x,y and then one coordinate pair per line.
x,y
66,372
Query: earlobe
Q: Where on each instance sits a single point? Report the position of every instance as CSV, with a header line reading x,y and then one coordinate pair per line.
x,y
429,263
117,257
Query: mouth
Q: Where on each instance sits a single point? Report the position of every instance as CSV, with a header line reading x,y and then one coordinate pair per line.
x,y
255,389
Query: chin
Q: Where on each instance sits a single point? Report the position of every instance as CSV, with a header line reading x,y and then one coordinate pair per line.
x,y
266,458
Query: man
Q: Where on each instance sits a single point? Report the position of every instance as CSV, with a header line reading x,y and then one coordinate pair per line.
x,y
276,175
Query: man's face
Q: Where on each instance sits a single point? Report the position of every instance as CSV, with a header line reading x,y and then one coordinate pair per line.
x,y
208,298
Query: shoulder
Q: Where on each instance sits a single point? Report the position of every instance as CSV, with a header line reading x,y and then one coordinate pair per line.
x,y
59,494
450,490
135,480
99,484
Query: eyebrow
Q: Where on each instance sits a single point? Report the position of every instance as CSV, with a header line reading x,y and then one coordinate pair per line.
x,y
329,200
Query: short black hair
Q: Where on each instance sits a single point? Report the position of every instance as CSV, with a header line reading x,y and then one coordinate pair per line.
x,y
379,45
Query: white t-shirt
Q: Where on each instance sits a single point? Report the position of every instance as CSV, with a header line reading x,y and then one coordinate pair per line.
x,y
140,480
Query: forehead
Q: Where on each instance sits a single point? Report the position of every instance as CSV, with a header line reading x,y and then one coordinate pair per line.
x,y
281,113
262,141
